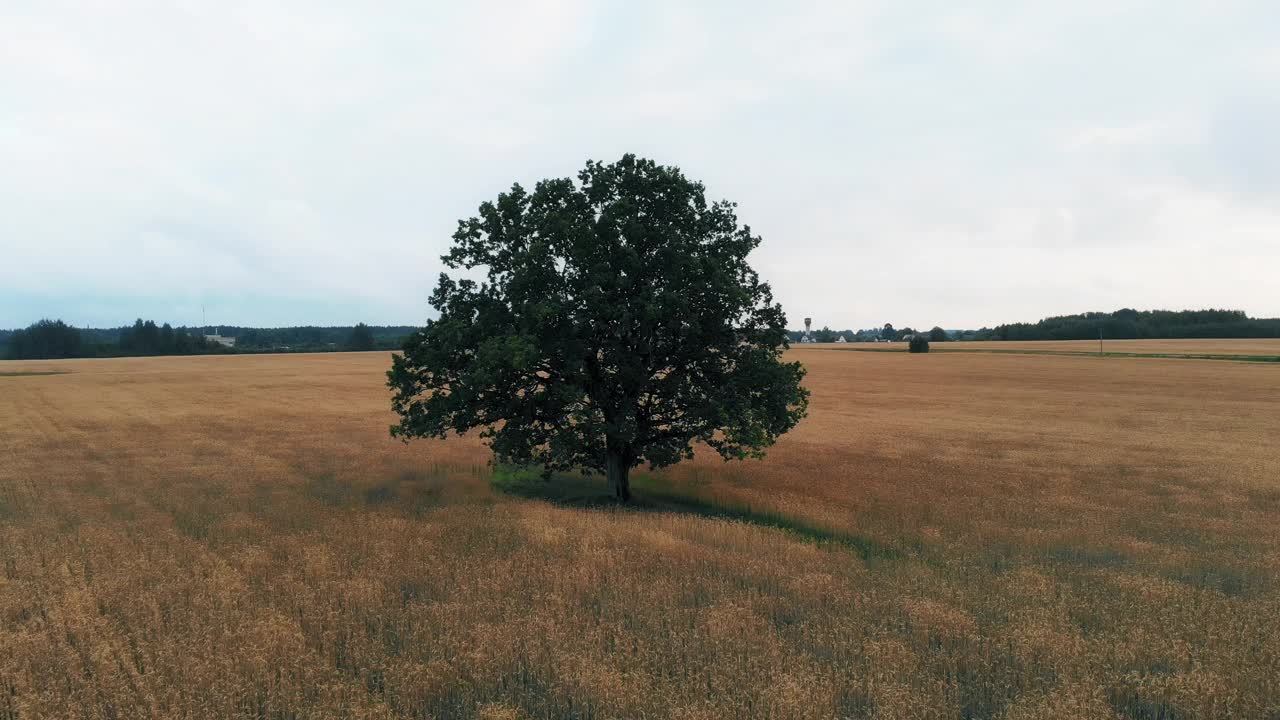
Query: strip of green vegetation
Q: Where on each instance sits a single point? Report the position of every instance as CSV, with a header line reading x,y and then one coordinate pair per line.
x,y
1078,353
654,494
29,373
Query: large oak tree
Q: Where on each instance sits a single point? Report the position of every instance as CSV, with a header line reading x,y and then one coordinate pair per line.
x,y
618,323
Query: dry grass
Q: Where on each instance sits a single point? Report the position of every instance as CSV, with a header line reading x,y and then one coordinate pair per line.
x,y
997,536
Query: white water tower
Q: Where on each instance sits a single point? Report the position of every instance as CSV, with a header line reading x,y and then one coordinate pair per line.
x,y
808,331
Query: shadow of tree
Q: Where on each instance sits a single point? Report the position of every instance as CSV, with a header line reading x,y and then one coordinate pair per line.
x,y
653,494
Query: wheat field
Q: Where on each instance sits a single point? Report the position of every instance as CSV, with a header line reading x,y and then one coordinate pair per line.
x,y
949,535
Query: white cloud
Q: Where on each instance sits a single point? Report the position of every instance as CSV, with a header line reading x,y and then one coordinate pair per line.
x,y
1142,134
301,162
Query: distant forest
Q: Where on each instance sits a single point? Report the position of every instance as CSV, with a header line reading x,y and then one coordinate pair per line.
x,y
1123,324
1139,324
50,339
55,339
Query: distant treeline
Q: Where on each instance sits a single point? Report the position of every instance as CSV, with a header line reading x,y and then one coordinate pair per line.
x,y
310,338
1139,324
51,339
888,333
1123,324
55,339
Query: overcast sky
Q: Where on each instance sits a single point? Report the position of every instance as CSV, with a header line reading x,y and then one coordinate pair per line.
x,y
286,163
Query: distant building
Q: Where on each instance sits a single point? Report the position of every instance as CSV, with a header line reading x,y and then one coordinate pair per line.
x,y
223,340
840,339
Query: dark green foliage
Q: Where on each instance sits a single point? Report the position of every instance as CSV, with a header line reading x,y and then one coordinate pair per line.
x,y
919,343
361,338
619,324
311,338
45,339
1119,325
142,339
825,335
145,338
54,339
1134,324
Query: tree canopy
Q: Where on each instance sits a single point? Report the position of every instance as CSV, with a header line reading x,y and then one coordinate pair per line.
x,y
45,339
618,324
1129,323
361,338
146,337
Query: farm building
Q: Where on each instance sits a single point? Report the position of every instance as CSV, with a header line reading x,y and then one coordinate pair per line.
x,y
223,340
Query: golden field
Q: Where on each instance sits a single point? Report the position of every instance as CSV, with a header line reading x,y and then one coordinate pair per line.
x,y
1269,347
947,535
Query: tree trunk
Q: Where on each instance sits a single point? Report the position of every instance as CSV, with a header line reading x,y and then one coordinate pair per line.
x,y
618,471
